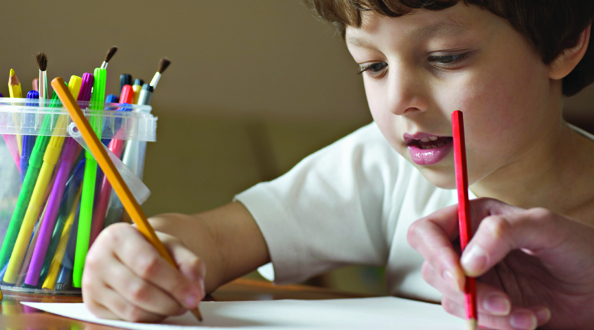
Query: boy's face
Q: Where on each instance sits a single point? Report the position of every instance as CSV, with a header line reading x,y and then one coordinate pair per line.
x,y
423,66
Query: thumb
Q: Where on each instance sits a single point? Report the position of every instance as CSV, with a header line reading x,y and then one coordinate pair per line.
x,y
538,232
188,263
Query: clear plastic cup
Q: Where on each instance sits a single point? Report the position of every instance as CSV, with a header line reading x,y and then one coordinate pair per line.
x,y
42,227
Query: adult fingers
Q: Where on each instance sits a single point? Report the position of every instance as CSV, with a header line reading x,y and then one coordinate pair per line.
x,y
519,318
537,231
431,237
490,300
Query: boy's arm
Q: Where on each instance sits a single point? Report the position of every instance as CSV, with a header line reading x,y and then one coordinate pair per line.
x,y
126,278
227,239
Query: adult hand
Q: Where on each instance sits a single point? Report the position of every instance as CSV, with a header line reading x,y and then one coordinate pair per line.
x,y
534,268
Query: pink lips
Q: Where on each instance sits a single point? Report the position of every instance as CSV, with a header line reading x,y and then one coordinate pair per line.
x,y
427,153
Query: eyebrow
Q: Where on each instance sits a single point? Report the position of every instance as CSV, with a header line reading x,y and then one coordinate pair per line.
x,y
442,28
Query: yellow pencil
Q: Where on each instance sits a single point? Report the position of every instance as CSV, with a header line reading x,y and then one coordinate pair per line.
x,y
114,177
15,91
50,158
52,275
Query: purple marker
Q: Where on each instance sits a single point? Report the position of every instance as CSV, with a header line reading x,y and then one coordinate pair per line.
x,y
53,203
51,213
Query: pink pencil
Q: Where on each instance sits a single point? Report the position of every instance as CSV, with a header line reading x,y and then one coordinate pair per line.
x,y
115,146
11,143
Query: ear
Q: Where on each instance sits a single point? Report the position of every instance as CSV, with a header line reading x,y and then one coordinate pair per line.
x,y
569,58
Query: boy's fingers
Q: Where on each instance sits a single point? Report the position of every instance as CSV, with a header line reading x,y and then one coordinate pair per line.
x,y
113,303
139,292
490,300
533,230
143,260
187,262
519,318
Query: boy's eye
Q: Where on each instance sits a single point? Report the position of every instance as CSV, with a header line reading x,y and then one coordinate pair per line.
x,y
447,59
373,69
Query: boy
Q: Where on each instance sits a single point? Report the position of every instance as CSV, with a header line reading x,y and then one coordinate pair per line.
x,y
505,64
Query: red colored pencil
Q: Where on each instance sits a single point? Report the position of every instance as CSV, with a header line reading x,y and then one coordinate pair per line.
x,y
464,212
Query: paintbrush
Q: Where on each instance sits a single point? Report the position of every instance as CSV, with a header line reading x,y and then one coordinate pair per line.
x,y
110,53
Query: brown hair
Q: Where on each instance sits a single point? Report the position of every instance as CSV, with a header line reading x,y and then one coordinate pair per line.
x,y
549,25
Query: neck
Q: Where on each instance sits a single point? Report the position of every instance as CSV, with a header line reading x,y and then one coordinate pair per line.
x,y
554,173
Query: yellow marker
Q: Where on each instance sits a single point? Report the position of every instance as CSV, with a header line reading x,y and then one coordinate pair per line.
x,y
52,275
112,174
136,89
15,91
50,158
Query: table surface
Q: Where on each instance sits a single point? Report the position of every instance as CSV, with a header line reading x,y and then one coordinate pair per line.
x,y
16,316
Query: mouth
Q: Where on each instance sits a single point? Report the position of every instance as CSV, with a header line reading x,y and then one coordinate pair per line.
x,y
430,142
428,149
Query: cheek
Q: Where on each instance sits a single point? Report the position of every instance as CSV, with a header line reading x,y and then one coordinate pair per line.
x,y
384,119
506,104
503,114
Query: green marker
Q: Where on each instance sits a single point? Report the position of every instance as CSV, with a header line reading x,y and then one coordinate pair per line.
x,y
35,162
88,189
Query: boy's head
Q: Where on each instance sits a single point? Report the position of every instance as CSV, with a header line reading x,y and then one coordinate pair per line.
x,y
549,25
504,63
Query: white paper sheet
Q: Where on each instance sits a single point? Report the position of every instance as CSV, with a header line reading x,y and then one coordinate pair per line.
x,y
364,313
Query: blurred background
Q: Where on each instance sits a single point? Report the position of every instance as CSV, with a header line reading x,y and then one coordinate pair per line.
x,y
254,86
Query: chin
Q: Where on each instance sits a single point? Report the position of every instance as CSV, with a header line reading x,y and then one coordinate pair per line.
x,y
443,178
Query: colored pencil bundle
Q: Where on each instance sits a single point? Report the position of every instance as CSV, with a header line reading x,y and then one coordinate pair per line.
x,y
64,198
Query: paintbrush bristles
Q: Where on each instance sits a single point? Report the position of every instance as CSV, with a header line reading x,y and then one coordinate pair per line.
x,y
42,61
163,64
110,53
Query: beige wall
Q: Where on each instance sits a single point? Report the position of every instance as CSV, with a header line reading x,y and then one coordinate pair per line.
x,y
230,58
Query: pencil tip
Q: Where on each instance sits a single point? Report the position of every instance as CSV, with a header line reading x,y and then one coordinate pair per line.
x,y
197,314
13,80
472,324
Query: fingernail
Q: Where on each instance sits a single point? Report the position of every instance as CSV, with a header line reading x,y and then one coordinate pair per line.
x,y
474,259
191,301
449,277
543,315
497,304
523,320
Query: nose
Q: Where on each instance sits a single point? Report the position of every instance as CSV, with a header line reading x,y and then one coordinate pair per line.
x,y
407,93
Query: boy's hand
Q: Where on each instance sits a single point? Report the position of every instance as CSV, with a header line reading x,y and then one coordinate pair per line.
x,y
533,267
126,278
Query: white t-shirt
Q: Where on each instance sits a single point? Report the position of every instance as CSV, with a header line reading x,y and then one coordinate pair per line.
x,y
350,203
